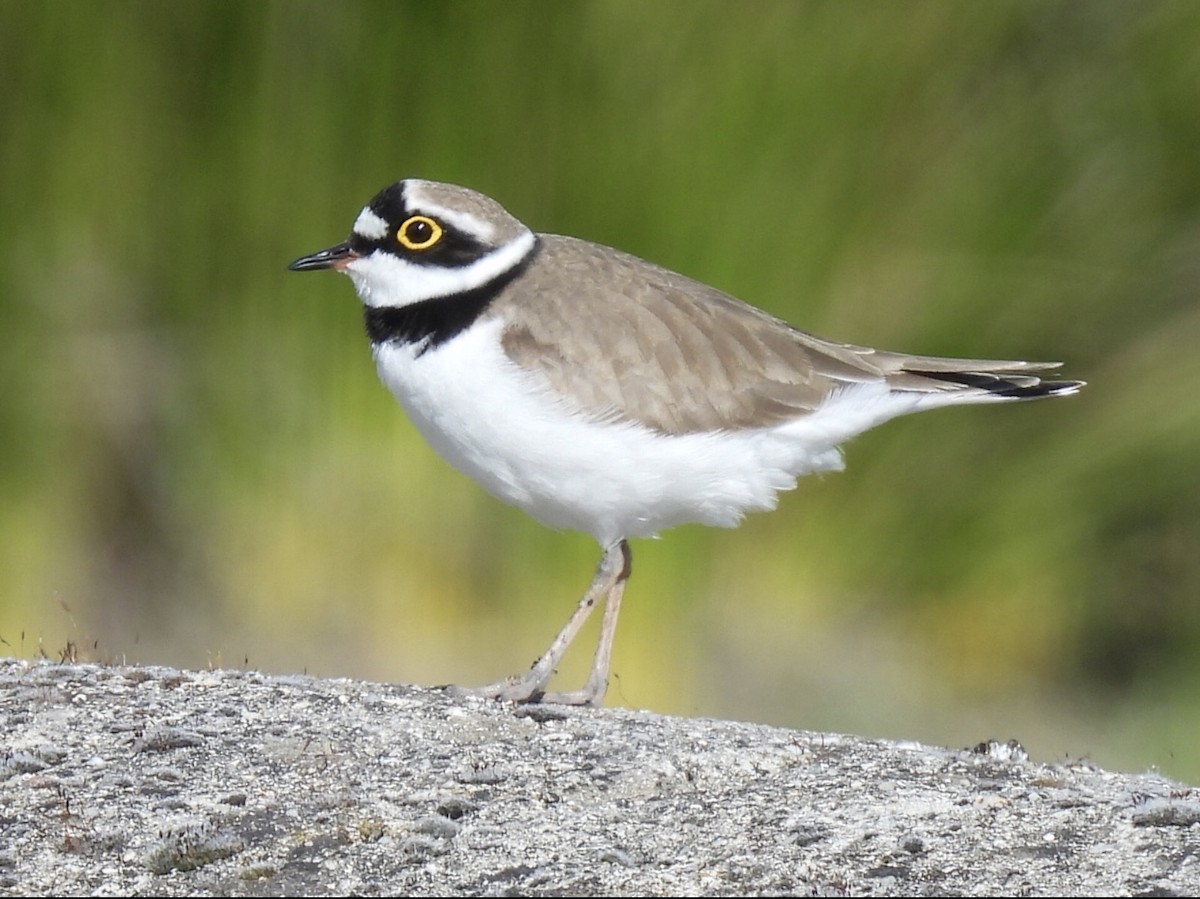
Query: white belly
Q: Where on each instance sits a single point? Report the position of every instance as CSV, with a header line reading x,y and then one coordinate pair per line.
x,y
503,427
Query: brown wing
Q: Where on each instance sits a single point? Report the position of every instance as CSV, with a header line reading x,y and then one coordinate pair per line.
x,y
623,339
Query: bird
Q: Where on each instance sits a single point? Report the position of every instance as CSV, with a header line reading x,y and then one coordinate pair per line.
x,y
602,393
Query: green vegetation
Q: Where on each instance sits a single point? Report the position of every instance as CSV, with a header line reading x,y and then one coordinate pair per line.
x,y
197,465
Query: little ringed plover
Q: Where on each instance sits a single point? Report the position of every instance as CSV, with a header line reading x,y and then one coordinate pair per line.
x,y
604,394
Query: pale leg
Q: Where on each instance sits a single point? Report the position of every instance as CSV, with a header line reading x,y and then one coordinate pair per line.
x,y
609,584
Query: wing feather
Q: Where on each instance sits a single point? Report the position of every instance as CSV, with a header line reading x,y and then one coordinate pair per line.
x,y
623,339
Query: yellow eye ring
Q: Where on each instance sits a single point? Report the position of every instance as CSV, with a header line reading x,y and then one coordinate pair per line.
x,y
419,232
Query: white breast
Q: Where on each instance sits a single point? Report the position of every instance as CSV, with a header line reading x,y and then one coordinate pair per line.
x,y
502,426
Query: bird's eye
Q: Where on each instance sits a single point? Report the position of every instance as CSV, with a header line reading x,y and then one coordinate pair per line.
x,y
419,232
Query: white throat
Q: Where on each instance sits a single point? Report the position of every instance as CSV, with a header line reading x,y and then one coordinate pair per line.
x,y
383,279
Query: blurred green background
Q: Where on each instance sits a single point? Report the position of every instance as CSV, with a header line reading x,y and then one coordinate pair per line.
x,y
198,466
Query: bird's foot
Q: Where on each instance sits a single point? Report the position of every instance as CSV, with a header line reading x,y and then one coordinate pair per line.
x,y
524,691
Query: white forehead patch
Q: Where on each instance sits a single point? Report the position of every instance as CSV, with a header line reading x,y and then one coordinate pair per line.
x,y
369,225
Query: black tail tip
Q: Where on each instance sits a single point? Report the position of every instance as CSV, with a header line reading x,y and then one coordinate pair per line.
x,y
1033,391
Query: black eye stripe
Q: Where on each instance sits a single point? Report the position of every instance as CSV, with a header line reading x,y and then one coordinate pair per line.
x,y
454,249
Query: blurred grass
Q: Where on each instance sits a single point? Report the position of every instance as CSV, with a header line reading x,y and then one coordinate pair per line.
x,y
197,465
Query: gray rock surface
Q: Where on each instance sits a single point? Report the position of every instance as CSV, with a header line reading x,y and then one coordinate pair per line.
x,y
121,780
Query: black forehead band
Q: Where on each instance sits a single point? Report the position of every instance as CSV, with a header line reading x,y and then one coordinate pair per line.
x,y
390,204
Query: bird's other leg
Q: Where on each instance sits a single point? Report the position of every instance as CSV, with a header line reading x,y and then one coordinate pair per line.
x,y
531,686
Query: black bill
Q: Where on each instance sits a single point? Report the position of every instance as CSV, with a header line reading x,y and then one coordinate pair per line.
x,y
334,257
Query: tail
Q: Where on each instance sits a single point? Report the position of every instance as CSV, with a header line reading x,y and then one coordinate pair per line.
x,y
904,384
974,380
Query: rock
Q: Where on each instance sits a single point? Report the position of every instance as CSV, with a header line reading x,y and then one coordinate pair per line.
x,y
154,781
